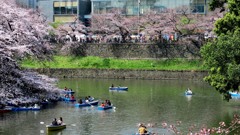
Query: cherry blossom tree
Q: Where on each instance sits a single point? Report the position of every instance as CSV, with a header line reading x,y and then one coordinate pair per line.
x,y
179,20
23,32
70,31
114,23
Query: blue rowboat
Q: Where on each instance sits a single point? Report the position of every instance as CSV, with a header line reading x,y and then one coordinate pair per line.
x,y
68,92
26,109
118,88
187,92
104,108
55,127
95,102
234,94
67,99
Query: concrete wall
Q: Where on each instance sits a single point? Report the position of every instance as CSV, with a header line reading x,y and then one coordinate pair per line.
x,y
122,74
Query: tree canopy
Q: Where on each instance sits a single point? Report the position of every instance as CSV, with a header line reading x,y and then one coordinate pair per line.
x,y
231,21
23,32
222,57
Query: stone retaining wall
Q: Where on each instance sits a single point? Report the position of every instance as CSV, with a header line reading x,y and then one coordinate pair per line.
x,y
132,51
122,74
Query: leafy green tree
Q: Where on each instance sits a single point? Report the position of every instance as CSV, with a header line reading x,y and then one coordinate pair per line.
x,y
222,57
231,21
213,4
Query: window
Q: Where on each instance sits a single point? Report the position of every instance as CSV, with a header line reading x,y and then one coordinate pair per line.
x,y
198,9
65,7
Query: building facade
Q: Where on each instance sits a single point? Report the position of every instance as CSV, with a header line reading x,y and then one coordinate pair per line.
x,y
59,10
27,3
69,10
135,7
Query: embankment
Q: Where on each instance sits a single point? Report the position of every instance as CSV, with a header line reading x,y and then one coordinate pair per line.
x,y
122,74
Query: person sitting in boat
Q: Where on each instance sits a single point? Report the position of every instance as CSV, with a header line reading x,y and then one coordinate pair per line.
x,y
66,95
106,102
86,100
2,106
112,86
189,90
36,106
80,101
60,121
142,130
72,97
102,104
65,88
109,103
54,122
90,98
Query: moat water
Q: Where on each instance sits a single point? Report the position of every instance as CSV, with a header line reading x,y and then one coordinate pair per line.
x,y
146,101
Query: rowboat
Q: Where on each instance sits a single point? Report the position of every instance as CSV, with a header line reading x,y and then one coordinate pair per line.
x,y
188,92
67,99
68,92
26,109
234,94
118,88
5,110
144,134
95,102
104,108
33,108
55,127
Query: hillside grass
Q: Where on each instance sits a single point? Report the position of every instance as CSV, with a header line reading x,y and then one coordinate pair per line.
x,y
112,63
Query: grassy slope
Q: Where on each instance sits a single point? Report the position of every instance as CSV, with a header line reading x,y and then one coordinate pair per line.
x,y
111,63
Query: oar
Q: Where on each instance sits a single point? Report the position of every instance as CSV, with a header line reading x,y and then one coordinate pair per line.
x,y
90,104
113,107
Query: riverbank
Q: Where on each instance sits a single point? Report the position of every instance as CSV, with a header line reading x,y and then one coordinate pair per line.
x,y
94,62
122,74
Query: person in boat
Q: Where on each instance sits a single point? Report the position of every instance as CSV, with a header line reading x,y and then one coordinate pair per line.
x,y
90,98
2,106
54,122
36,106
189,90
66,95
142,130
112,86
106,102
109,103
102,104
72,97
86,100
80,101
60,121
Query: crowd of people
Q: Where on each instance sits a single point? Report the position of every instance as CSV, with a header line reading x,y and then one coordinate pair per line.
x,y
141,38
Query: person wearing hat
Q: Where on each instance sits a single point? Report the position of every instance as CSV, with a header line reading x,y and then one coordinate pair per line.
x,y
142,129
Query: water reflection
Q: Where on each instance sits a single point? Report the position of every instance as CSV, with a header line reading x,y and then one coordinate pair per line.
x,y
189,97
